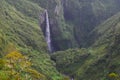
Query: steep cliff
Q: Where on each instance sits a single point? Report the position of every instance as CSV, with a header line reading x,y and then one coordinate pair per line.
x,y
71,21
86,15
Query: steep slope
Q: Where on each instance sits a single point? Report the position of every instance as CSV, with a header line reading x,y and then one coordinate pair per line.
x,y
86,15
99,60
19,27
61,32
72,20
105,32
108,34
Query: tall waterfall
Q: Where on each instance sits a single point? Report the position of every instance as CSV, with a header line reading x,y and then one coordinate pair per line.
x,y
47,32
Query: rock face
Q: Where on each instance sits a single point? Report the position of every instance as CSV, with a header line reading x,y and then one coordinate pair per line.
x,y
60,33
86,15
71,21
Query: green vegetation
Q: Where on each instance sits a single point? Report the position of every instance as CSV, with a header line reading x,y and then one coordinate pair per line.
x,y
103,57
86,30
70,25
19,26
75,62
15,66
70,60
84,16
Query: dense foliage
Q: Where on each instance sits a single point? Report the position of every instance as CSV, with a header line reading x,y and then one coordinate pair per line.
x,y
19,26
72,20
103,60
89,29
15,66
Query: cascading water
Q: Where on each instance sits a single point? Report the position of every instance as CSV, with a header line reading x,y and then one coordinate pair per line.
x,y
47,32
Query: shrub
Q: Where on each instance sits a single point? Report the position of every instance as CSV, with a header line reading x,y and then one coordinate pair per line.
x,y
15,66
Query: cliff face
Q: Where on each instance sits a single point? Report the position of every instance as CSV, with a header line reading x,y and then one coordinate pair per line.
x,y
86,15
71,21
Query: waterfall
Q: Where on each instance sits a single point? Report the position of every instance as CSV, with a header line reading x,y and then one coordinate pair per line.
x,y
47,32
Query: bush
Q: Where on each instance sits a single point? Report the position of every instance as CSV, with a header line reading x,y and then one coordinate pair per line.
x,y
15,66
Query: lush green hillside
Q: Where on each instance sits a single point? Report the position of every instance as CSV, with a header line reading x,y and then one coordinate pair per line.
x,y
19,26
87,14
99,60
89,29
108,34
71,21
62,32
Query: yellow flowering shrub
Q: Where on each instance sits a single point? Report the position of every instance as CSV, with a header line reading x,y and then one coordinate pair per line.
x,y
15,55
113,75
18,67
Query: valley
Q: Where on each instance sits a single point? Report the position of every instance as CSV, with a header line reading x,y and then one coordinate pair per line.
x,y
60,39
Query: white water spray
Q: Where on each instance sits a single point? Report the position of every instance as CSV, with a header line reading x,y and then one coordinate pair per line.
x,y
47,33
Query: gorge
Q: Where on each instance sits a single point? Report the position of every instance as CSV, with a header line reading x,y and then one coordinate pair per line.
x,y
61,39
